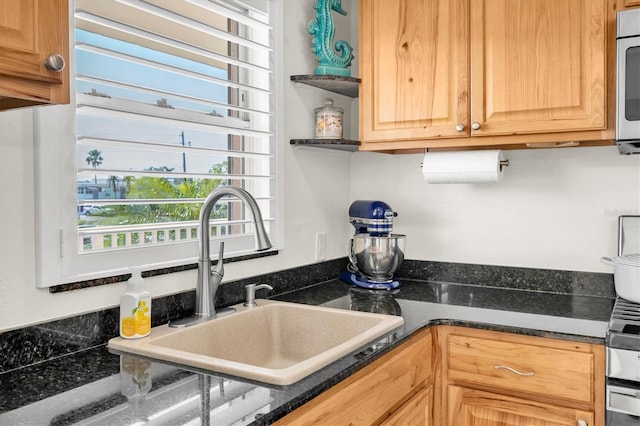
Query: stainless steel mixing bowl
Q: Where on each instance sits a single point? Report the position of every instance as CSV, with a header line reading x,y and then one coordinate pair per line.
x,y
377,258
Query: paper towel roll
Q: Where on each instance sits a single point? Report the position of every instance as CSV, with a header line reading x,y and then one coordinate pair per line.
x,y
462,166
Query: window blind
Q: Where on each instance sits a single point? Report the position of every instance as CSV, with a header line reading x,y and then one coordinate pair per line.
x,y
173,99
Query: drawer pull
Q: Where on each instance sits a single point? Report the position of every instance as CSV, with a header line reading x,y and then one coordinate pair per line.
x,y
513,370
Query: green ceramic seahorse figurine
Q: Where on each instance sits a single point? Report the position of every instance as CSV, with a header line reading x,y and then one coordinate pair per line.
x,y
323,30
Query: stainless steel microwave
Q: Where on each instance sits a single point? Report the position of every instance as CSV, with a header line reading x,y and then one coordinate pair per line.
x,y
628,82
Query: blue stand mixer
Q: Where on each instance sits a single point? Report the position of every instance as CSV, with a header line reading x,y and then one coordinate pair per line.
x,y
374,252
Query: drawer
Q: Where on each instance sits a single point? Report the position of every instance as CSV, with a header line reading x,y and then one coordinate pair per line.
x,y
551,370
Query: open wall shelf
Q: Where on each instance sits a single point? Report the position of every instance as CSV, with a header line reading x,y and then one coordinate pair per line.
x,y
339,144
347,86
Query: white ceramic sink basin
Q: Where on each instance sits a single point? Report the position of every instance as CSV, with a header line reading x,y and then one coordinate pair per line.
x,y
276,342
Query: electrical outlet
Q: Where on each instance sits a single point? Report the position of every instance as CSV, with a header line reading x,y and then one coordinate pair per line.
x,y
321,246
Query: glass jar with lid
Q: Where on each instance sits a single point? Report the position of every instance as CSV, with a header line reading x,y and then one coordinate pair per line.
x,y
328,121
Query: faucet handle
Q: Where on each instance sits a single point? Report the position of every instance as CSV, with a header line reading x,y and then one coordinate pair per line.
x,y
219,268
250,293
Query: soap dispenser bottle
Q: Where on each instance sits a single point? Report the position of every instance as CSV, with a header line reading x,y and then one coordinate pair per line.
x,y
135,308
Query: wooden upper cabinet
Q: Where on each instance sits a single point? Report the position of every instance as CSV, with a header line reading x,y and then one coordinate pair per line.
x,y
624,4
30,32
414,68
537,66
478,73
416,411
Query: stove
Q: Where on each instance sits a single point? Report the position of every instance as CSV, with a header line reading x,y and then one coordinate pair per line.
x,y
624,326
623,342
623,365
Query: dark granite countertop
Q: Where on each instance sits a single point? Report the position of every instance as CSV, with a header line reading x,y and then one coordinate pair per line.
x,y
94,386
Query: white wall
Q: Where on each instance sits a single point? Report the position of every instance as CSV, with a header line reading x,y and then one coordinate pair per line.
x,y
554,208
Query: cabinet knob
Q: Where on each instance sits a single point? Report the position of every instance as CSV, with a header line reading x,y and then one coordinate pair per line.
x,y
54,62
581,422
475,125
459,127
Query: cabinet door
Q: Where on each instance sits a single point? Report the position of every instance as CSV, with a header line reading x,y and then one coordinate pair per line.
x,y
537,66
416,411
472,407
414,68
371,393
30,31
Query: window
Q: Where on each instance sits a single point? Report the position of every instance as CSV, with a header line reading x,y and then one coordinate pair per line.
x,y
173,98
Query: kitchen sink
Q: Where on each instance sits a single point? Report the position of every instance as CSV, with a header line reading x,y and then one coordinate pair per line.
x,y
276,342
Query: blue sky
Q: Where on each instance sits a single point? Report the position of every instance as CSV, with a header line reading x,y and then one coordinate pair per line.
x,y
98,65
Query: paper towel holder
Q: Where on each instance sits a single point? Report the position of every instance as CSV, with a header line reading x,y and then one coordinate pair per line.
x,y
503,163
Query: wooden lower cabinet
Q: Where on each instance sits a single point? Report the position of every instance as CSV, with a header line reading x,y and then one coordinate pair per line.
x,y
544,367
416,411
460,376
469,407
494,378
377,393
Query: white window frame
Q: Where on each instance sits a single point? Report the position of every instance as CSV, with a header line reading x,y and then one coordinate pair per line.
x,y
57,256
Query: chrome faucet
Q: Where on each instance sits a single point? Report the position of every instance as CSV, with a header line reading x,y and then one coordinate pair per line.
x,y
209,279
